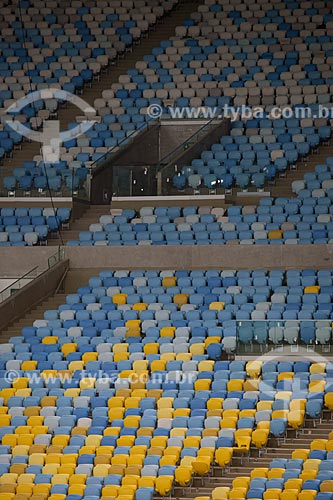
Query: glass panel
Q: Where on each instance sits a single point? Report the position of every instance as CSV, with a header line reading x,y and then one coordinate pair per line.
x,y
165,170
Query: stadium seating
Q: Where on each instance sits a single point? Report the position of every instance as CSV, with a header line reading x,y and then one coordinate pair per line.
x,y
307,475
66,47
218,58
29,226
256,151
120,390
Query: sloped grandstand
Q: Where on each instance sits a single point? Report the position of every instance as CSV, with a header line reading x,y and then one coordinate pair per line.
x,y
131,369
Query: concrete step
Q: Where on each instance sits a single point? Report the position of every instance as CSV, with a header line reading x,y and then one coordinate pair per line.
x,y
51,303
224,477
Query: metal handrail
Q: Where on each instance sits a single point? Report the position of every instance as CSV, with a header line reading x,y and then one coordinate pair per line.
x,y
104,155
162,164
18,279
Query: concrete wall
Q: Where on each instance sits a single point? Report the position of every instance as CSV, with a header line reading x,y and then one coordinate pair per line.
x,y
14,262
202,257
38,289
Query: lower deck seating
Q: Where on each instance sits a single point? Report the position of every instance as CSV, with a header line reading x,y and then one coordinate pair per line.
x,y
306,219
111,396
308,475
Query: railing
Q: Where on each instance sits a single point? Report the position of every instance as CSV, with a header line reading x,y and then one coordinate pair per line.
x,y
278,334
85,189
19,283
30,275
167,166
55,258
73,183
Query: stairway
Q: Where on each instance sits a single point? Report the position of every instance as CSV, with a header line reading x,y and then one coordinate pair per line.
x,y
90,216
282,185
163,30
283,449
37,312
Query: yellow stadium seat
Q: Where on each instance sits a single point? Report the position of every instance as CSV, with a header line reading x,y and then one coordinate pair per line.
x,y
326,486
318,444
76,366
183,356
101,470
151,348
300,453
296,418
241,482
275,234
259,438
197,349
223,456
220,493
272,494
25,488
31,411
235,385
76,489
317,386
243,444
28,365
49,340
26,478
214,403
180,299
121,347
307,495
146,482
297,404
237,493
169,281
259,472
216,306
140,306
20,383
57,496
293,484
51,469
5,420
140,365
251,385
167,331
285,376
308,474
68,348
280,414
328,399
119,298
275,473
312,289
253,368
311,464
201,465
264,405
20,450
183,475
7,496
206,366
157,365
163,485
202,385
212,340
110,490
